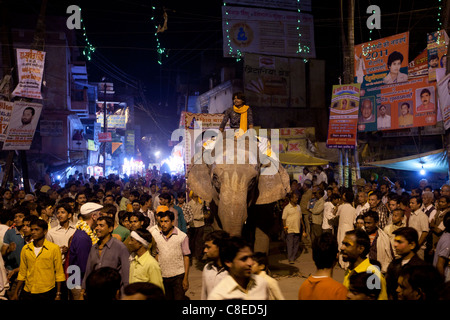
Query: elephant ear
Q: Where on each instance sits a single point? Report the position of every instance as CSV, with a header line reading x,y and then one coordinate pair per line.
x,y
273,186
199,181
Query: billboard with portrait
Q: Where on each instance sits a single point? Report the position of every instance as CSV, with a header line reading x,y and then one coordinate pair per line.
x,y
383,61
398,106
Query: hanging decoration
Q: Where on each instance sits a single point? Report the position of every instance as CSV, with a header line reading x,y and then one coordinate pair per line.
x,y
301,48
89,48
236,53
161,51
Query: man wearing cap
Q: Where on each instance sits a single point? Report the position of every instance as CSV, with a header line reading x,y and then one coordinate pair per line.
x,y
108,252
82,241
143,267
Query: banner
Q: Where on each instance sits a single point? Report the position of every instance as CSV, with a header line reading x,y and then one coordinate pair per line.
x,y
113,121
104,137
303,5
22,125
5,115
209,120
398,106
272,32
30,69
274,81
437,43
419,66
382,61
444,100
342,128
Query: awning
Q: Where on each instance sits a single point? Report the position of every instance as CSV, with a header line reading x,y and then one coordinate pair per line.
x,y
433,161
301,159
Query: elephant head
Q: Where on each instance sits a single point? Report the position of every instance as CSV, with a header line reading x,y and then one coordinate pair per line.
x,y
234,185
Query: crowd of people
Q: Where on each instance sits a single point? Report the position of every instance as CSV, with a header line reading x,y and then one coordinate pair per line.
x,y
137,238
378,229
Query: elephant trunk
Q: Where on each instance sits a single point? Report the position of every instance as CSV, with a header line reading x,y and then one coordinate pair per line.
x,y
233,203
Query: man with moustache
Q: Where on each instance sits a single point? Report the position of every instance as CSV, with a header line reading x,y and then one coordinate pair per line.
x,y
240,283
173,256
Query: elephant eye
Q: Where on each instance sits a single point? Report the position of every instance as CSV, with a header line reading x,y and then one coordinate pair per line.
x,y
216,182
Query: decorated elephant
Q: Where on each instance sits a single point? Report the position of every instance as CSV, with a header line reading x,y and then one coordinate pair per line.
x,y
222,177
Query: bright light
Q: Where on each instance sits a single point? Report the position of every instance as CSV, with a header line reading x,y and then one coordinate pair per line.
x,y
132,166
58,177
422,171
176,164
157,153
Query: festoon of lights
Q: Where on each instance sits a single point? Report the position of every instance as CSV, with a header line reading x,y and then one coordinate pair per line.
x,y
159,49
238,54
89,48
305,48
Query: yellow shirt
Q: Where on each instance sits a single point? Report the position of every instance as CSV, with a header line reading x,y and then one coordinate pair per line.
x,y
405,121
146,269
41,272
362,267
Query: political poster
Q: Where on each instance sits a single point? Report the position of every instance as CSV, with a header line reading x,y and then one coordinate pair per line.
x,y
419,66
22,125
437,43
342,128
30,69
444,100
271,81
266,31
383,61
398,106
5,115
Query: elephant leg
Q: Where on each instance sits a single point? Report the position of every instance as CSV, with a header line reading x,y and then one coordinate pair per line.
x,y
262,241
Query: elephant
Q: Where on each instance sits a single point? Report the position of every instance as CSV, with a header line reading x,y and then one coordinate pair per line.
x,y
233,186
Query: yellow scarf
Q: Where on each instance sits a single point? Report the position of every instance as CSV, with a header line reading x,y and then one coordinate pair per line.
x,y
243,112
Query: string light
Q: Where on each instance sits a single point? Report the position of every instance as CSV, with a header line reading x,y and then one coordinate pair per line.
x,y
234,53
305,48
159,49
439,15
89,48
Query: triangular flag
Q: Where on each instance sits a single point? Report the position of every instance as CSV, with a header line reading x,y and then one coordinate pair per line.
x,y
115,145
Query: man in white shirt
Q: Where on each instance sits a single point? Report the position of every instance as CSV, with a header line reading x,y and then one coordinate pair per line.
x,y
428,205
213,271
61,234
240,283
306,175
321,176
329,212
383,120
419,221
363,203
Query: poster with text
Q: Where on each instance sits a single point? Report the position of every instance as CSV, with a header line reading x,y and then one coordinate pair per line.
x,y
398,106
419,66
383,61
444,100
5,115
30,69
342,128
271,81
303,5
437,43
22,125
264,31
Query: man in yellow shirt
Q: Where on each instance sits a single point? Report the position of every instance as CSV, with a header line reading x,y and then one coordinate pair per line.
x,y
143,267
405,119
41,271
354,250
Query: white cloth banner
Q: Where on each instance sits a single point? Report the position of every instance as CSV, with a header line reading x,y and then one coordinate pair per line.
x,y
30,68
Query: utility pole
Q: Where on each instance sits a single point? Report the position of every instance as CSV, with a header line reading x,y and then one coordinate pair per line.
x,y
7,62
348,44
105,125
445,26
